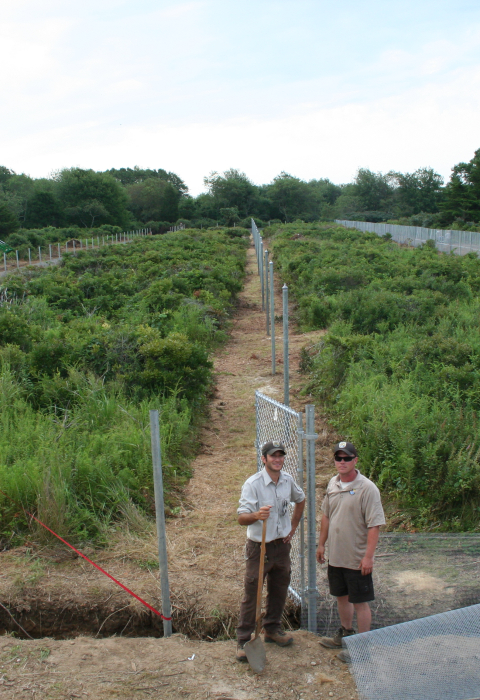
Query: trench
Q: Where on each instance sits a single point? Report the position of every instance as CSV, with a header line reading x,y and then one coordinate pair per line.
x,y
43,619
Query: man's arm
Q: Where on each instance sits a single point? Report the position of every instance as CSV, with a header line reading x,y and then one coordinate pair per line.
x,y
366,564
325,524
296,515
250,518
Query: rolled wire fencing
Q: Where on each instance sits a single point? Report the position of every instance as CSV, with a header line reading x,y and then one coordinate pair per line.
x,y
448,241
427,659
51,253
280,423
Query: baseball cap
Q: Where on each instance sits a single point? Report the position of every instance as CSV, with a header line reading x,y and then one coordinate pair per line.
x,y
270,447
346,447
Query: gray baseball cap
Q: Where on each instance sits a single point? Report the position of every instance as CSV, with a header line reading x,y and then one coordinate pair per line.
x,y
270,447
346,447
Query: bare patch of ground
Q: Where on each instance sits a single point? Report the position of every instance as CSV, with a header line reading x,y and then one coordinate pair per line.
x,y
166,668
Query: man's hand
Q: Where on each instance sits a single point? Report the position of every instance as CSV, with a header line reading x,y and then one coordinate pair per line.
x,y
288,538
263,513
321,554
366,565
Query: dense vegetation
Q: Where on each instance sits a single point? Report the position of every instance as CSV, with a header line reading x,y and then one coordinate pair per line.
x,y
399,368
134,198
86,349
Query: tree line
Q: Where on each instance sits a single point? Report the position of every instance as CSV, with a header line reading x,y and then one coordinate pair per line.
x,y
136,198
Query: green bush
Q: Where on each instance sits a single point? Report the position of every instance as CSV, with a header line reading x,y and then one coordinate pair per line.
x,y
399,369
86,349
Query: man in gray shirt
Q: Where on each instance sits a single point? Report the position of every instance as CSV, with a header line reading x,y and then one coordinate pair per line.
x,y
266,496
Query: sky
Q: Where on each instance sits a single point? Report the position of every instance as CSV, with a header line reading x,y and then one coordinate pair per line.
x,y
314,88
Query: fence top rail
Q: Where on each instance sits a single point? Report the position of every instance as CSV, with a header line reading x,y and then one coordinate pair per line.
x,y
276,403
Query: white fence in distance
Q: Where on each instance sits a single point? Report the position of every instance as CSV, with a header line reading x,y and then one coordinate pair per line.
x,y
447,241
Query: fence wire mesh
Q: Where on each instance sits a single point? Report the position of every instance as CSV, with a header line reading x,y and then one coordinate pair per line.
x,y
415,575
459,242
280,423
427,659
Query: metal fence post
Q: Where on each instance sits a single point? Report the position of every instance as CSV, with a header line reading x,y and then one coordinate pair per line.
x,y
5,261
272,314
302,520
160,517
267,293
257,434
311,523
29,256
260,260
39,254
16,254
59,253
286,387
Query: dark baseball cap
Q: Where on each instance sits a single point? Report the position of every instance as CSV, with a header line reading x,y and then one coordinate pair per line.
x,y
270,447
346,447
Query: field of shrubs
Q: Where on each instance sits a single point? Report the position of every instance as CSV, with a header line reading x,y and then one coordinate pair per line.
x,y
399,368
86,349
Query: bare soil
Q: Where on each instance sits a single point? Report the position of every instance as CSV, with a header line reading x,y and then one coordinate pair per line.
x,y
53,594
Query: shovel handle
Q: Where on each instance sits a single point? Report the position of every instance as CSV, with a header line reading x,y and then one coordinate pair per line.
x,y
258,616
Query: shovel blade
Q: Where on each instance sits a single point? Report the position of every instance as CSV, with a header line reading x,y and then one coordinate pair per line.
x,y
255,651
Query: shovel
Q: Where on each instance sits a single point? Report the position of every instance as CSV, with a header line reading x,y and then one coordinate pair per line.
x,y
254,649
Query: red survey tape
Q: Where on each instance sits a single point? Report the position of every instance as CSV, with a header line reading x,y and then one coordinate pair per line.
x,y
144,602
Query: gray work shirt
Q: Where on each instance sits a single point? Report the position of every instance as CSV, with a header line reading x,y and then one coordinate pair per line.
x,y
260,490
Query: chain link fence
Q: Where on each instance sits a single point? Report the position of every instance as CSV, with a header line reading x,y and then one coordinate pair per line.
x,y
459,242
280,423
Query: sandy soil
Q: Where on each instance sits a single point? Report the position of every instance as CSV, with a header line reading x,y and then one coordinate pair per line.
x,y
54,594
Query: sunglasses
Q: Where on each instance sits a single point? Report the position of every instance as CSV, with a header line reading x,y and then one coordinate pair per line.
x,y
343,459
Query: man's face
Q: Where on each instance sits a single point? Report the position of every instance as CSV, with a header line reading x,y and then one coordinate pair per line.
x,y
274,462
345,469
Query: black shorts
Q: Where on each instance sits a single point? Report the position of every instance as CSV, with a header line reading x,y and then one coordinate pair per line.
x,y
350,582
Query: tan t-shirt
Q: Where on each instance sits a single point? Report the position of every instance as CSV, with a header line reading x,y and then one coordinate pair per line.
x,y
351,512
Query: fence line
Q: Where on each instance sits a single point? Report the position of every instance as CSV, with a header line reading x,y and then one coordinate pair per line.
x,y
124,237
446,241
278,422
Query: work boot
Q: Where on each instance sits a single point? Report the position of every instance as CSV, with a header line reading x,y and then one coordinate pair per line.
x,y
344,656
336,640
280,638
241,655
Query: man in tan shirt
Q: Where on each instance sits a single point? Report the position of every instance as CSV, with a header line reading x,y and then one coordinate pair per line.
x,y
352,515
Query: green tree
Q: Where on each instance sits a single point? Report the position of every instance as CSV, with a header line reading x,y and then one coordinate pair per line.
x,y
154,200
8,221
91,198
291,197
232,189
374,190
462,193
417,192
43,209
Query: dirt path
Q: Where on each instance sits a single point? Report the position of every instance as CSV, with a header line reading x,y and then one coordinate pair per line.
x,y
205,544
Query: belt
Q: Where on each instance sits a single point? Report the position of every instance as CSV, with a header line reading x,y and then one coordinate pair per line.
x,y
280,539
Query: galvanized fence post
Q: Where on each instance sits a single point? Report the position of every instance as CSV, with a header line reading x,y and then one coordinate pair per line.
x,y
310,437
29,256
39,254
286,387
5,261
261,274
301,434
272,314
16,254
267,293
160,517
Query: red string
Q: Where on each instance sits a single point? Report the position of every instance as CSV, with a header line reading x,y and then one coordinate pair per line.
x,y
97,566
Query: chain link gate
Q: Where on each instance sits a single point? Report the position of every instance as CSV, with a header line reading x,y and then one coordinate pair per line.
x,y
280,423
